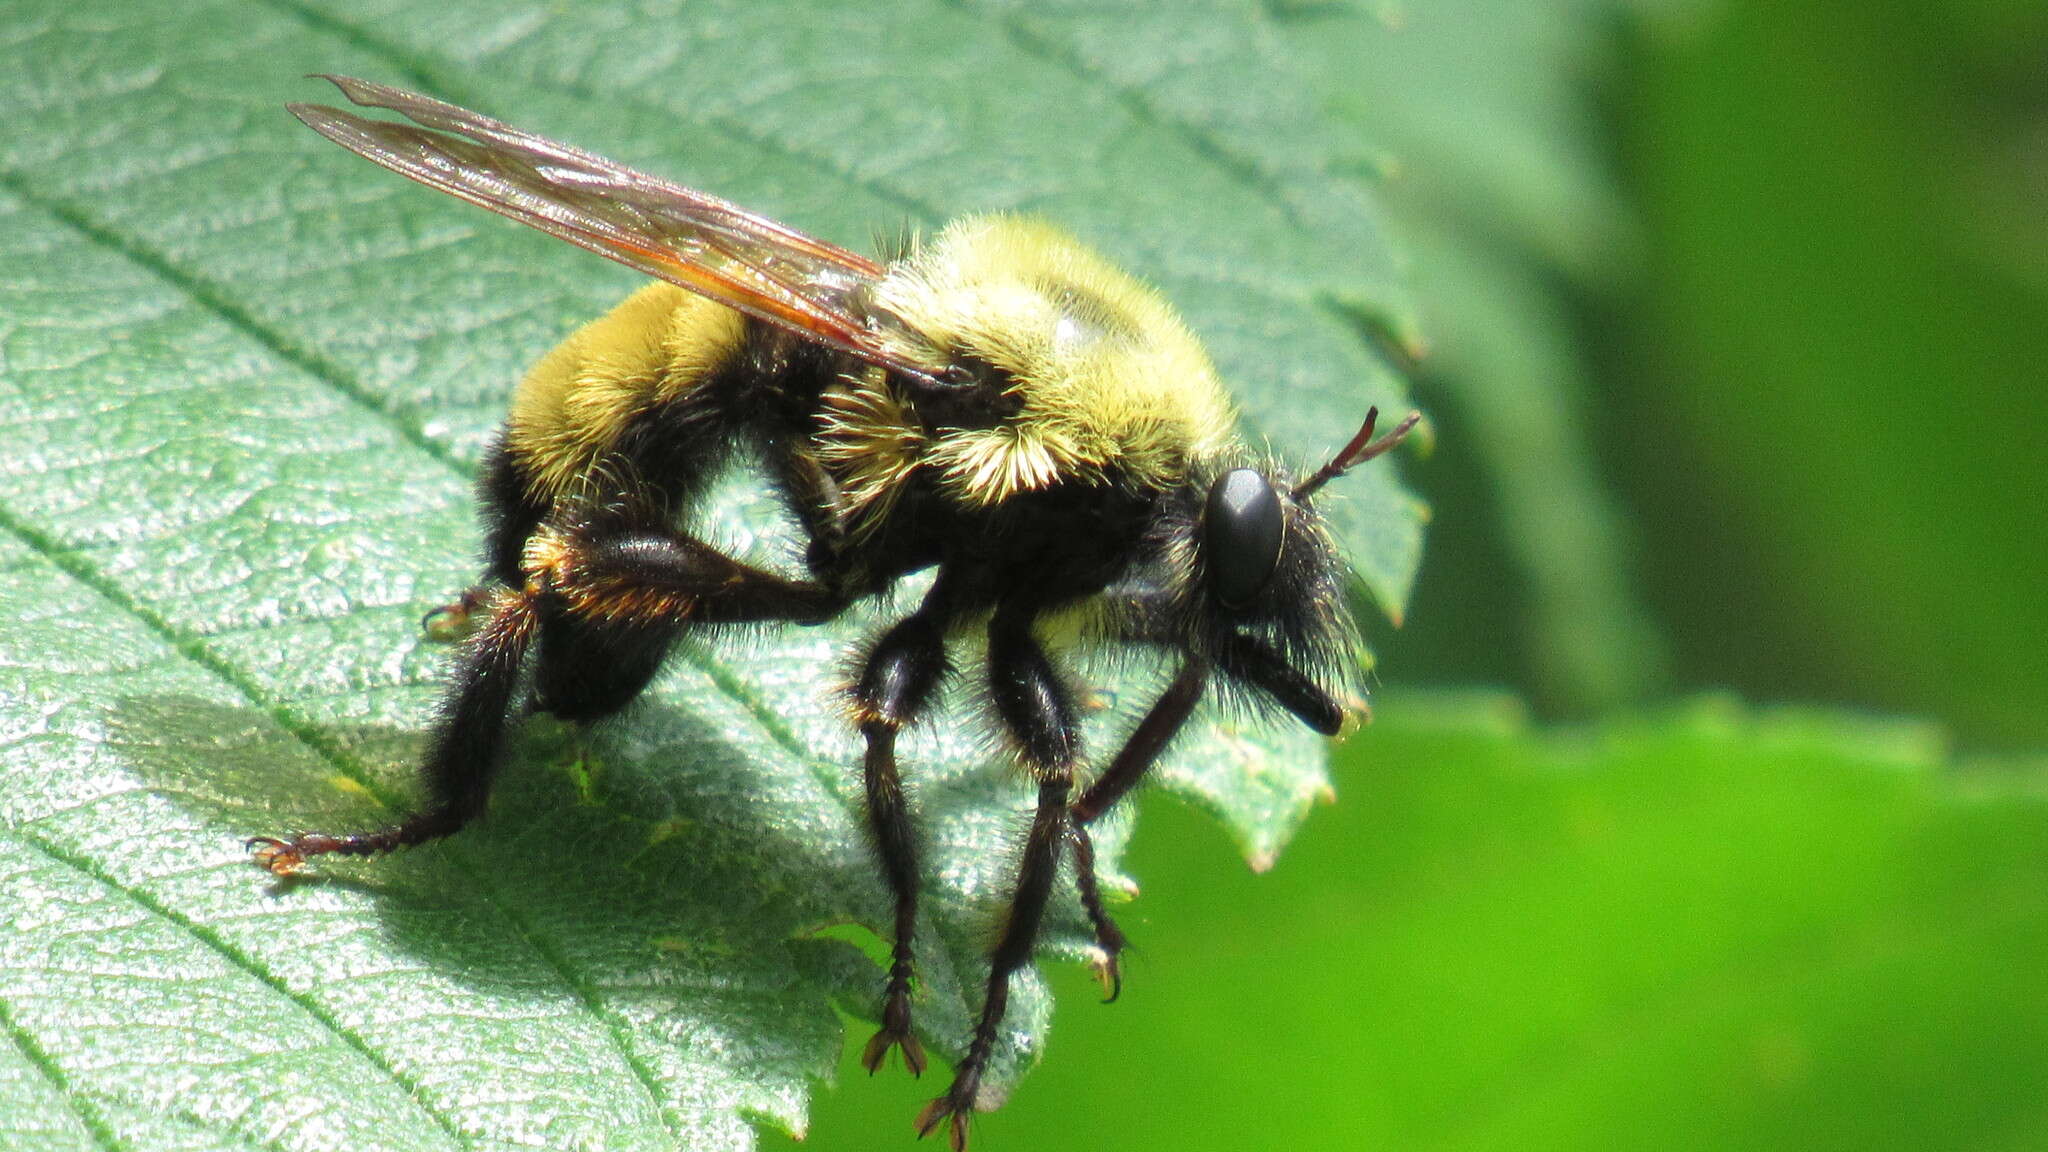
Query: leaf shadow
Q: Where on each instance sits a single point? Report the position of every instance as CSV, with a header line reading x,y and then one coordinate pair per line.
x,y
671,879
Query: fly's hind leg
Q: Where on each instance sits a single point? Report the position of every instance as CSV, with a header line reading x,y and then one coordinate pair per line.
x,y
604,607
625,595
463,754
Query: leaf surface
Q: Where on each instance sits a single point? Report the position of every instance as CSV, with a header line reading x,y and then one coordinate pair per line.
x,y
243,381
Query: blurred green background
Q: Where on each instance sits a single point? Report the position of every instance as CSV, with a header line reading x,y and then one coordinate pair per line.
x,y
1810,363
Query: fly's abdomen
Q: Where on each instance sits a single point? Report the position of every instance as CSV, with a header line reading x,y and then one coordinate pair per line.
x,y
577,406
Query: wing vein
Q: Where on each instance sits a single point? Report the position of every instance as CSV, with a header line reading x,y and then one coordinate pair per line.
x,y
745,261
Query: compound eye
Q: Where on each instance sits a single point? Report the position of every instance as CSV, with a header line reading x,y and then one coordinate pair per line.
x,y
1241,531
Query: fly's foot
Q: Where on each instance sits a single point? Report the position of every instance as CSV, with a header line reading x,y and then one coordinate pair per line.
x,y
952,1110
454,621
894,1033
1109,939
1108,972
286,857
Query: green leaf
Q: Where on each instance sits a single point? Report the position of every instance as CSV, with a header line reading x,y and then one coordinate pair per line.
x,y
243,381
1711,927
1478,117
1511,368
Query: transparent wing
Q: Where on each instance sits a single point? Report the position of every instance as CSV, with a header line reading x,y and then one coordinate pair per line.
x,y
710,246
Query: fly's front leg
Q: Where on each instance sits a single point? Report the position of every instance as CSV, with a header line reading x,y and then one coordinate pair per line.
x,y
1109,939
1038,712
897,680
1141,750
819,504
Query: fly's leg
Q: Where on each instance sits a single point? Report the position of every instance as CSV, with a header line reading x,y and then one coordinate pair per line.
x,y
1037,712
897,680
603,606
463,754
1161,724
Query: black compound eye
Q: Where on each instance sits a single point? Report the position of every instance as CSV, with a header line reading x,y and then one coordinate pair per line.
x,y
1241,531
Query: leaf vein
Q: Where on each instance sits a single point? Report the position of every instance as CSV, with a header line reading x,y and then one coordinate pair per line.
x,y
206,296
320,745
88,1115
313,363
240,961
1210,146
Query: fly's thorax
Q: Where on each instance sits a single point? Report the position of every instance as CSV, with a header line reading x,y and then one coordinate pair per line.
x,y
871,441
1098,379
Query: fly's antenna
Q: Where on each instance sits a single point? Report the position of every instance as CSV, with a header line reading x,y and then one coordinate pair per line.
x,y
1362,448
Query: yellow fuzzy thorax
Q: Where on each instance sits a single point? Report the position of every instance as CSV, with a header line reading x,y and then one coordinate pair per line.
x,y
1110,379
571,409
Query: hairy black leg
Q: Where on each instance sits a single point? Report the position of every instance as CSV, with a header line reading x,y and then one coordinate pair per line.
x,y
813,495
1161,724
1254,661
896,682
508,507
1109,939
510,512
632,589
625,593
463,755
1035,708
659,578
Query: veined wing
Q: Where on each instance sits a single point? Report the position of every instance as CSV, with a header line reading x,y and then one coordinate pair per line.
x,y
708,245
